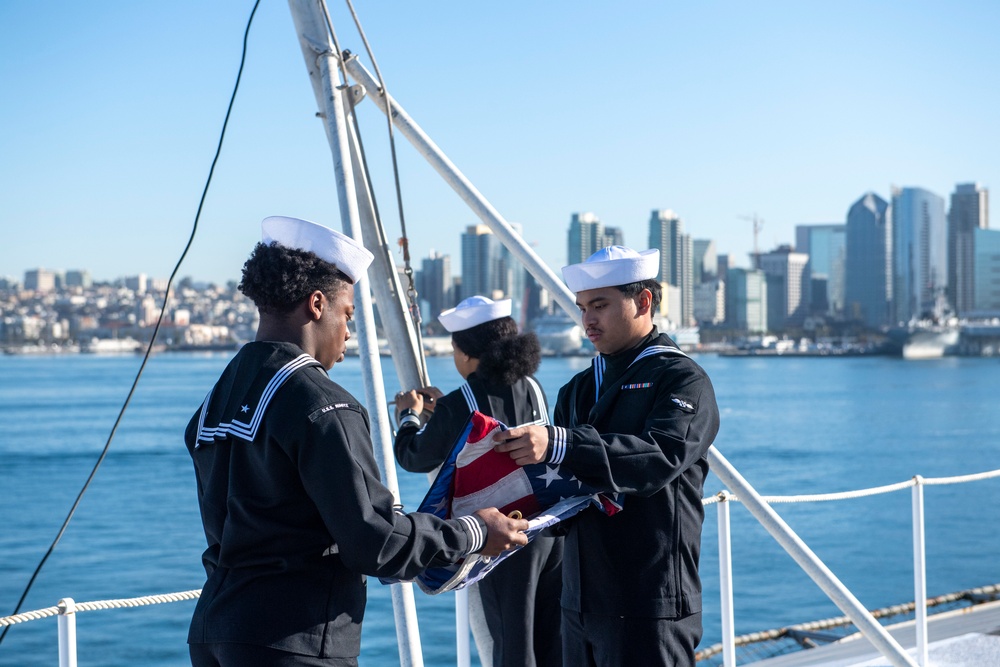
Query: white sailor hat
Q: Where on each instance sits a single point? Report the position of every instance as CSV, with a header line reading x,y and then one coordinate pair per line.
x,y
612,266
338,249
473,311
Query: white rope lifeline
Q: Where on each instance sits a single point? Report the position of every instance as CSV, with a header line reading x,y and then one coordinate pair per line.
x,y
860,493
102,604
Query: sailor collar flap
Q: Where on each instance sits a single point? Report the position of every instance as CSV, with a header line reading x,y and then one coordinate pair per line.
x,y
236,405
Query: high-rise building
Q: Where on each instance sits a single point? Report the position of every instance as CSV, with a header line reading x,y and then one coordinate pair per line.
x,y
969,211
704,261
746,300
78,278
482,263
666,234
586,236
434,284
787,276
867,280
919,253
826,246
612,236
723,266
986,277
40,280
710,301
488,268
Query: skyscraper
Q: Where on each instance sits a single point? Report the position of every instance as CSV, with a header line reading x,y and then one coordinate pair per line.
x,y
586,236
704,260
826,246
746,300
986,277
482,263
434,284
787,300
489,269
919,253
969,211
666,234
868,241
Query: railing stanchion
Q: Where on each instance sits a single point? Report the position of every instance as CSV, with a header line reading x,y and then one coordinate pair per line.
x,y
919,570
67,633
726,583
462,647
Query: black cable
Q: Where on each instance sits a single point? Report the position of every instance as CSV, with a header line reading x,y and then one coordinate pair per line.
x,y
156,329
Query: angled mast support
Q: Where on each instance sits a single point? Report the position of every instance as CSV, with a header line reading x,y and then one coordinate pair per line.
x,y
465,189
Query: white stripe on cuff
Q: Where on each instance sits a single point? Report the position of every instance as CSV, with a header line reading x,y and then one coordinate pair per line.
x,y
477,538
558,445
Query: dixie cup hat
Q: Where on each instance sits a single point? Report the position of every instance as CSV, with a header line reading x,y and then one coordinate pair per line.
x,y
611,267
338,249
474,311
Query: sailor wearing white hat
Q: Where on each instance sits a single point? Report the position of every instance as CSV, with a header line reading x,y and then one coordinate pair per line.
x,y
521,596
294,512
349,256
473,311
612,266
640,421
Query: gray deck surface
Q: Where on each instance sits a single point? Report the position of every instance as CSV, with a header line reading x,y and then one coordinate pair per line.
x,y
967,637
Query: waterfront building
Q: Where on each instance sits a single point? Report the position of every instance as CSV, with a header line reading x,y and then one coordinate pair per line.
x,y
136,283
826,246
787,301
434,285
710,301
704,261
611,236
666,234
986,272
481,262
969,211
79,278
746,300
488,268
867,280
722,266
919,253
40,280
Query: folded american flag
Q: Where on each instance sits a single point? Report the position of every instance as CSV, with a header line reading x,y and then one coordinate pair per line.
x,y
475,476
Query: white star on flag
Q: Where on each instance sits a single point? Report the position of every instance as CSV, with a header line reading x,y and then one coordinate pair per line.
x,y
551,475
441,505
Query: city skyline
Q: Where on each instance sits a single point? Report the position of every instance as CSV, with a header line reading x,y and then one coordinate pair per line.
x,y
787,111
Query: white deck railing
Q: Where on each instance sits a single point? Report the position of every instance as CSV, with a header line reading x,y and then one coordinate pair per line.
x,y
67,609
723,498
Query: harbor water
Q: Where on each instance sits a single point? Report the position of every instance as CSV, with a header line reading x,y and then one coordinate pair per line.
x,y
791,426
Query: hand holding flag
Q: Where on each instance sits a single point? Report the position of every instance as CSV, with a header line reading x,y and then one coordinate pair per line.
x,y
502,532
524,444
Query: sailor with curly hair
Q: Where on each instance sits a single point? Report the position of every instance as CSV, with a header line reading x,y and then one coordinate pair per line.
x,y
294,512
521,596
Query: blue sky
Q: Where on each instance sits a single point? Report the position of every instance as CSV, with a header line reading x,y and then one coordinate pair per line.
x,y
110,112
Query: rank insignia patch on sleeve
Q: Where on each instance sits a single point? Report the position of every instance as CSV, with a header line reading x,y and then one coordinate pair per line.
x,y
683,404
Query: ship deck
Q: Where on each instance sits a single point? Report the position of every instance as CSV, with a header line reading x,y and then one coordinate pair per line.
x,y
959,638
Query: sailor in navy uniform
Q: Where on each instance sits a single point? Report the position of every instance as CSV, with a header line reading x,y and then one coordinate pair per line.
x,y
640,422
293,508
521,596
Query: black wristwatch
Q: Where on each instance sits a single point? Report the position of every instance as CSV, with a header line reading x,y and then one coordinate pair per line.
x,y
409,416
